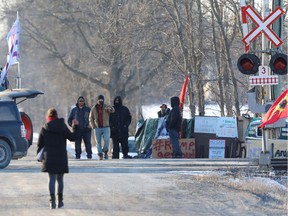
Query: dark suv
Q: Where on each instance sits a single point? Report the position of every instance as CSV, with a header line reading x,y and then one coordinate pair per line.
x,y
16,131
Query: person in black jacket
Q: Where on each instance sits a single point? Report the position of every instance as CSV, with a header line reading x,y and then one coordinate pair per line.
x,y
164,112
81,113
119,122
173,126
53,137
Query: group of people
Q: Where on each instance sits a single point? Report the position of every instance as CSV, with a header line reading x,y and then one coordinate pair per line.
x,y
107,122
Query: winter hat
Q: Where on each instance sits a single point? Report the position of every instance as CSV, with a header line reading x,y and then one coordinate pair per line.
x,y
100,97
81,97
163,106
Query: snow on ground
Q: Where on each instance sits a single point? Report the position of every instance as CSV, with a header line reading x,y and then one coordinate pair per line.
x,y
150,111
280,183
260,182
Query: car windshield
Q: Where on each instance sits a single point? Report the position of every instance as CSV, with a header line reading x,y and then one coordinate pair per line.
x,y
255,131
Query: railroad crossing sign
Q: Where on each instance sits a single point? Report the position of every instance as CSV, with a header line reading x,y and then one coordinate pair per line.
x,y
263,78
263,26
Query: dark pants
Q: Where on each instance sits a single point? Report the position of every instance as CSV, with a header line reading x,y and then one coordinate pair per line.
x,y
116,146
84,134
60,183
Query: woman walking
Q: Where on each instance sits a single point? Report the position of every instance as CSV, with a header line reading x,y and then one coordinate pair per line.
x,y
53,137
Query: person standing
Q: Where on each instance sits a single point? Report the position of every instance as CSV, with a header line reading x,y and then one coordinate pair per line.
x,y
53,137
173,126
164,111
81,113
119,125
99,121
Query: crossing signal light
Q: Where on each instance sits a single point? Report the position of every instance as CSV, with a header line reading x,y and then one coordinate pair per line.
x,y
248,64
278,63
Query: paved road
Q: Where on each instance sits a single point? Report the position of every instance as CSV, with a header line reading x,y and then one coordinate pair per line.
x,y
124,187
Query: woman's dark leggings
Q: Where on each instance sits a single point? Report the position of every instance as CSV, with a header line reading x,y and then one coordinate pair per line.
x,y
52,181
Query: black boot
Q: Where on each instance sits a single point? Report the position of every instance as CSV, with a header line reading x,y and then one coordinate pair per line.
x,y
60,200
52,201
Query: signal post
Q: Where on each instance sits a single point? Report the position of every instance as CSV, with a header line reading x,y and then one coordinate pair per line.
x,y
250,64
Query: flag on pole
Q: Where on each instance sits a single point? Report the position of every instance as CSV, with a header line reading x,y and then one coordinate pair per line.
x,y
182,98
278,110
183,93
244,22
13,49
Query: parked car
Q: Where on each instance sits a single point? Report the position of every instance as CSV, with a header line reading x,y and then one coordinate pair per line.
x,y
16,129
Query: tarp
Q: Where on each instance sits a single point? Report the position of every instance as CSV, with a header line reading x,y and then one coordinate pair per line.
x,y
145,134
148,131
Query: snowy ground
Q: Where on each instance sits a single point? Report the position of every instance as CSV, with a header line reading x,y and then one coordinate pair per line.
x,y
142,187
127,187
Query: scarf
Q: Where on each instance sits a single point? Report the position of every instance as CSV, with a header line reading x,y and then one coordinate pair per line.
x,y
50,118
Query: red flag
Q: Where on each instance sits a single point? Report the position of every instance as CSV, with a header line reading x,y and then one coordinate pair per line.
x,y
278,110
183,92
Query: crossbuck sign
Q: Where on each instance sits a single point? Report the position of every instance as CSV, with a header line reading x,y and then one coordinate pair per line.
x,y
263,25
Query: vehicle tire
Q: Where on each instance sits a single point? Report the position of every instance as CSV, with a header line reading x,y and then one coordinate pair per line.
x,y
5,154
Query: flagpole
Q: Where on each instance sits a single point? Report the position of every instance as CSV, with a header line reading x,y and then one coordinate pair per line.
x,y
264,159
19,72
19,77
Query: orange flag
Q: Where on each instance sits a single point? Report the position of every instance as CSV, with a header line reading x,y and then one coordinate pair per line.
x,y
278,110
183,92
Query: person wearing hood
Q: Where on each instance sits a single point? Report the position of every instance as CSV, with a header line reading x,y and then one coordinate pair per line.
x,y
173,126
81,113
119,122
53,137
99,121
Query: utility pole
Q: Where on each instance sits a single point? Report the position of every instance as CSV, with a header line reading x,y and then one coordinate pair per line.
x,y
277,27
264,156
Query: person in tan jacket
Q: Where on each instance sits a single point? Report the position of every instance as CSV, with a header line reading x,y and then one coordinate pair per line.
x,y
99,122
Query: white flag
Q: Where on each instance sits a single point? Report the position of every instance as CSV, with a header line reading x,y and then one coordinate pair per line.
x,y
13,49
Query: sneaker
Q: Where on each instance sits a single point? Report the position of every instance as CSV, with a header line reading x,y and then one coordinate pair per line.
x,y
127,157
106,155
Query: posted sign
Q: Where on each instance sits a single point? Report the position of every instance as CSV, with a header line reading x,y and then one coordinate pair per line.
x,y
216,148
162,148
